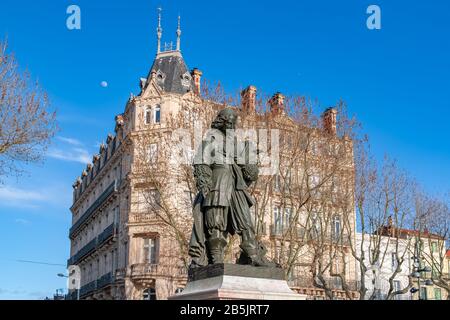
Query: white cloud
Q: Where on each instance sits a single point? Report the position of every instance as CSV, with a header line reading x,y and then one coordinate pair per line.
x,y
75,154
22,221
15,194
34,199
71,150
71,141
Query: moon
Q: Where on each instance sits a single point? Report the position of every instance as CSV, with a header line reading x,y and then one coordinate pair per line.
x,y
104,84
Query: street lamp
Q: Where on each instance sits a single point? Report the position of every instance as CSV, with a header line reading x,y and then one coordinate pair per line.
x,y
417,273
62,275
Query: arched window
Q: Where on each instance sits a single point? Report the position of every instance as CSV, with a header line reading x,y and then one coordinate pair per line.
x,y
149,294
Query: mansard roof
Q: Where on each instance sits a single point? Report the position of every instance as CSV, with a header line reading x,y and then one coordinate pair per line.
x,y
171,73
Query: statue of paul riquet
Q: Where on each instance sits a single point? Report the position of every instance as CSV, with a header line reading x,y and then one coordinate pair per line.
x,y
222,205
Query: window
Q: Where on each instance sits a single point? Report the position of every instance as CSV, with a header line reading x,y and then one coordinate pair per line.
x,y
287,216
151,250
397,287
157,114
148,115
423,294
179,290
281,219
336,265
276,183
336,227
435,272
277,217
149,294
434,246
393,261
437,294
152,153
316,226
154,199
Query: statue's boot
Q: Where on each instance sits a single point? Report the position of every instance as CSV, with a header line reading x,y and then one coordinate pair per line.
x,y
254,254
216,244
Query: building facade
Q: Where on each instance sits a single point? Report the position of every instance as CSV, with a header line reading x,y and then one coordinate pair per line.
x,y
131,215
414,262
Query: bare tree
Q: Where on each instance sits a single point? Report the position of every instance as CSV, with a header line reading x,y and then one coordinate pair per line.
x,y
302,202
432,230
26,124
384,209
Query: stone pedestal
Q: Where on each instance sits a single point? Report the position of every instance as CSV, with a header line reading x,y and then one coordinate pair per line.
x,y
233,282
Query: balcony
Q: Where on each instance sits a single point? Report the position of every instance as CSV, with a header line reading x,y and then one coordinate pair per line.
x,y
88,288
86,250
143,217
94,244
280,231
107,234
120,274
143,270
72,295
112,188
333,283
149,271
105,280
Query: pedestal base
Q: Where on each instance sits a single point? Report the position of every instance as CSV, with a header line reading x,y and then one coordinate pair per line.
x,y
233,282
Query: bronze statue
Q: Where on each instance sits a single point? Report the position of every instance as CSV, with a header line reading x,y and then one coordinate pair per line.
x,y
222,205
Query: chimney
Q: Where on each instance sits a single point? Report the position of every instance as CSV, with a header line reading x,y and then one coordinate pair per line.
x,y
196,75
276,102
248,96
329,121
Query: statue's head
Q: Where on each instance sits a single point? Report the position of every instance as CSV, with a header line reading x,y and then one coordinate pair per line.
x,y
225,119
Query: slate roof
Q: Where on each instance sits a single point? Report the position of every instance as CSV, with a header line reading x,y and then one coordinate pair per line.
x,y
172,74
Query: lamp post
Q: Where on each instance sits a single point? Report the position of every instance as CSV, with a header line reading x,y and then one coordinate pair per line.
x,y
417,273
62,275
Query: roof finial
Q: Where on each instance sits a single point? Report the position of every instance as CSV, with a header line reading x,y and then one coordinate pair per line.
x,y
178,33
159,31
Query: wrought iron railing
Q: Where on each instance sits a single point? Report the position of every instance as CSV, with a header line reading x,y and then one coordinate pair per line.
x,y
90,211
88,288
107,234
333,283
120,274
94,244
105,280
72,295
287,231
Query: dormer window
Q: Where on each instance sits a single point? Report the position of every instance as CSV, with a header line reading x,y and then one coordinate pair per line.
x,y
153,115
157,114
148,115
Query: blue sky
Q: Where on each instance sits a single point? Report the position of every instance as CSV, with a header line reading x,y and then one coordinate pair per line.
x,y
396,80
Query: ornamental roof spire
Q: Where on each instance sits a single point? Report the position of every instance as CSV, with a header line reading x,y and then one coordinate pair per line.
x,y
178,34
159,31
